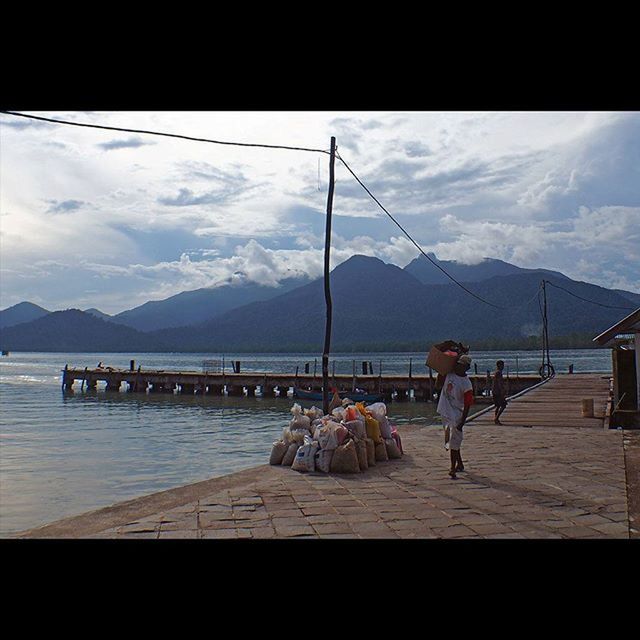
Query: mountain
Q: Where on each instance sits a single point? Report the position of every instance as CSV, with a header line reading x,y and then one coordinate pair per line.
x,y
633,297
98,314
193,307
22,312
75,331
428,273
297,318
378,305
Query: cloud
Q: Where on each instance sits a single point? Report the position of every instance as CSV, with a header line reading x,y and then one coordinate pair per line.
x,y
131,143
416,149
65,206
20,124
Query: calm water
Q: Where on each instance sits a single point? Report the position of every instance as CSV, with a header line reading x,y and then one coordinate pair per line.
x,y
62,455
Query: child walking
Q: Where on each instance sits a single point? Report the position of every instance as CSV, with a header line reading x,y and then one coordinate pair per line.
x,y
454,404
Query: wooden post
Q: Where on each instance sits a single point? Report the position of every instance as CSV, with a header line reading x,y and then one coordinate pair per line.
x,y
353,380
327,289
430,385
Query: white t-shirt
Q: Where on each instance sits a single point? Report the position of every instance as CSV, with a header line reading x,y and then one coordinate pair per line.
x,y
452,398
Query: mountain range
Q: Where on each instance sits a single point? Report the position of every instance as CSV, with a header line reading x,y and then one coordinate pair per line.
x,y
376,306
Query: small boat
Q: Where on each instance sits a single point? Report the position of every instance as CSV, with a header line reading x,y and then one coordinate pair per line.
x,y
356,396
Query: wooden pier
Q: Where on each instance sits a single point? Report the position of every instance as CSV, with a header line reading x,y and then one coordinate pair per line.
x,y
556,403
398,387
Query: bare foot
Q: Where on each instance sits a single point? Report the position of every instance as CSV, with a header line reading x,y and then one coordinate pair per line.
x,y
453,475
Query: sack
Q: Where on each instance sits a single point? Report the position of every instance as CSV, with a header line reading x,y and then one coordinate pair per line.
x,y
335,401
377,410
300,421
339,413
392,449
323,459
290,455
373,429
385,427
440,361
361,447
277,452
313,413
381,452
371,452
351,413
330,435
305,457
356,427
298,435
396,436
345,459
361,408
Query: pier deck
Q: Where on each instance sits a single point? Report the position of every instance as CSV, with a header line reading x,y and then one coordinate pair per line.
x,y
556,403
249,383
547,481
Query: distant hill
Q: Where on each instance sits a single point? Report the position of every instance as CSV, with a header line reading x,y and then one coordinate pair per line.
x,y
75,331
193,307
21,312
633,297
428,273
99,314
378,305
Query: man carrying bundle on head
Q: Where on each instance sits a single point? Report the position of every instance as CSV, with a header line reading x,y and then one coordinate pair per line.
x,y
455,400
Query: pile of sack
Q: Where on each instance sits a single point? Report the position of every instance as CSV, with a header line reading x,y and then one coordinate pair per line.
x,y
349,440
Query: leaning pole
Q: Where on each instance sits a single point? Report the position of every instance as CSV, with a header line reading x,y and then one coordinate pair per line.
x,y
327,288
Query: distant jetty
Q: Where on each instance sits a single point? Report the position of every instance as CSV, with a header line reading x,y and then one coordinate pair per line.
x,y
252,384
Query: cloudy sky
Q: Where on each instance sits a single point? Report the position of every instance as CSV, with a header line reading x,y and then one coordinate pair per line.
x,y
107,219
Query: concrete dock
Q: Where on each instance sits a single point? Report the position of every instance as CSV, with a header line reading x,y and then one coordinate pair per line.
x,y
552,475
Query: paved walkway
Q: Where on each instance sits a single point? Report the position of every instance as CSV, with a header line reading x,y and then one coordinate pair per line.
x,y
536,482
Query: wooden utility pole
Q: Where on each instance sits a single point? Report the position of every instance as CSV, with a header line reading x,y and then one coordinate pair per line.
x,y
327,289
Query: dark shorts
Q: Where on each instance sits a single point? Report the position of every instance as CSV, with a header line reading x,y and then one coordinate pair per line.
x,y
499,401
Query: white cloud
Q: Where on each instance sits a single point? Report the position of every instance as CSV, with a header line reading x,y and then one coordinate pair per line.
x,y
555,190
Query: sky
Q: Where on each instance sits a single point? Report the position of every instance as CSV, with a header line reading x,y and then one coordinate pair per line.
x,y
103,219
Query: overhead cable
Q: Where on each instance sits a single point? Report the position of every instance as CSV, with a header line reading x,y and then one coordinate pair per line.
x,y
412,240
608,306
160,133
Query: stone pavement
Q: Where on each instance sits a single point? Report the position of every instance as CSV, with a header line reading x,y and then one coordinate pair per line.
x,y
538,482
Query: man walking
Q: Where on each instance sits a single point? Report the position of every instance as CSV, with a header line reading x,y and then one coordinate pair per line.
x,y
454,404
498,392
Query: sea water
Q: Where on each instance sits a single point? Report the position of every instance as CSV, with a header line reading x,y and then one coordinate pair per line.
x,y
64,454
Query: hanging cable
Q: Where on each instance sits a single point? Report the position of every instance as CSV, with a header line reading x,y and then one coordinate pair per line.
x,y
608,306
160,133
412,240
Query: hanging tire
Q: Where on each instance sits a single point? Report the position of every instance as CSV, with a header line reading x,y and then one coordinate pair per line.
x,y
546,371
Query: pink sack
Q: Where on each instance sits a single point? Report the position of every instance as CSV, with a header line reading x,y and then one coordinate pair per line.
x,y
396,436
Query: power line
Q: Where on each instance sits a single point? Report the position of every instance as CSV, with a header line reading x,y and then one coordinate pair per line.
x,y
608,306
160,133
292,148
411,239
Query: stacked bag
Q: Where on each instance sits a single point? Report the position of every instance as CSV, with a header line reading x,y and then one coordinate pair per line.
x,y
349,440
